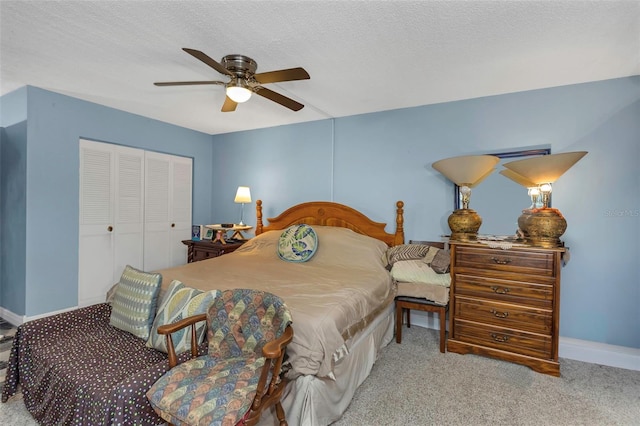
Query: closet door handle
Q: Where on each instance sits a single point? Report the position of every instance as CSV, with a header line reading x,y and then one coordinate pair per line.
x,y
110,228
173,225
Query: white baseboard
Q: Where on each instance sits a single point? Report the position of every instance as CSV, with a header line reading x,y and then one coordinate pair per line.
x,y
570,348
10,317
17,320
599,353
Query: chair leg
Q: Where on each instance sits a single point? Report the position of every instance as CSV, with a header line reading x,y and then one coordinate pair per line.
x,y
399,312
442,313
280,414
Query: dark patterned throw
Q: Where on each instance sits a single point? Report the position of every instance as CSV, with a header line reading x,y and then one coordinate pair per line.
x,y
7,331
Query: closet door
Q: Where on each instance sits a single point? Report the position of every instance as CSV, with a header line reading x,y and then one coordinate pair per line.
x,y
181,208
168,182
110,217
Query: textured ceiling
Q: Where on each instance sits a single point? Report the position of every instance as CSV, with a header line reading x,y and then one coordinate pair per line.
x,y
363,56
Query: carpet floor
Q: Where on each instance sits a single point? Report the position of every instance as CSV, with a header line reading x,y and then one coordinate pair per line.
x,y
414,384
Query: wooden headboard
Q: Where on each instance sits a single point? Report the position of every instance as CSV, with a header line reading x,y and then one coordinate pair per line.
x,y
333,214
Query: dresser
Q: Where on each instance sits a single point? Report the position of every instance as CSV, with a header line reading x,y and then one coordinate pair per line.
x,y
205,249
505,303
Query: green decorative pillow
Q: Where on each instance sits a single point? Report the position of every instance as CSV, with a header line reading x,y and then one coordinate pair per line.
x,y
134,302
298,243
180,302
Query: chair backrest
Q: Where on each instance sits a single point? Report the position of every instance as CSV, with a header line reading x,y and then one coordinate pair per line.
x,y
242,321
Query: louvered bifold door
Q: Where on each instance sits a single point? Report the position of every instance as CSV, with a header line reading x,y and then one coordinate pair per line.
x,y
110,216
167,210
181,205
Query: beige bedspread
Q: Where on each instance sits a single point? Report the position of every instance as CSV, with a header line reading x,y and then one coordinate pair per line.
x,y
332,296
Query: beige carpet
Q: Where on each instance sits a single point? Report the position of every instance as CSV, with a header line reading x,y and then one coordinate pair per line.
x,y
414,384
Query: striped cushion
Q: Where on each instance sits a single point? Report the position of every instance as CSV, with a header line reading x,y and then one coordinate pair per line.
x,y
134,303
180,302
406,252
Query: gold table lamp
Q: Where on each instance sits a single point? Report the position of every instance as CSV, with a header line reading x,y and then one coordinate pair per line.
x,y
466,172
543,226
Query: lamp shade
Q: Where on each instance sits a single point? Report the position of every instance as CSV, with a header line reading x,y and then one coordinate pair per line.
x,y
467,170
243,195
238,92
547,168
519,179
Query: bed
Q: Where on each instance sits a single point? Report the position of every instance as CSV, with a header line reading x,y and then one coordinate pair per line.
x,y
341,300
339,323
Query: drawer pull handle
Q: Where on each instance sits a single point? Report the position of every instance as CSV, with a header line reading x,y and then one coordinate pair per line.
x,y
500,339
500,290
505,261
499,314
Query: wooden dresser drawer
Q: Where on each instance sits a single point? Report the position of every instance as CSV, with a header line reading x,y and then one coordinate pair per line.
x,y
519,342
504,314
529,293
530,262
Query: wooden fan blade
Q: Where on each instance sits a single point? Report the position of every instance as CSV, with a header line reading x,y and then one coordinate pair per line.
x,y
282,75
229,105
186,83
281,99
207,60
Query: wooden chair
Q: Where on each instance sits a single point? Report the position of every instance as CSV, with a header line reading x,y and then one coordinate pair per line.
x,y
240,377
409,302
420,304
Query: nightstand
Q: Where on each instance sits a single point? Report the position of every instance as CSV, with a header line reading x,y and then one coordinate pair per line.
x,y
206,249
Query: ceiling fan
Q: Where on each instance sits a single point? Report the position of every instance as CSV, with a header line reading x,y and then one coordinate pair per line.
x,y
244,81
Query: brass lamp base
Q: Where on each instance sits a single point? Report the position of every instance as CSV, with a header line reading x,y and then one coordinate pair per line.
x,y
464,224
542,227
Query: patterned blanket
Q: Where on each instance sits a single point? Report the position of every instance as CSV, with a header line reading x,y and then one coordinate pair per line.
x,y
74,368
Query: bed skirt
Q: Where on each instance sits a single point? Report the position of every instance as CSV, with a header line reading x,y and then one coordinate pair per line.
x,y
313,401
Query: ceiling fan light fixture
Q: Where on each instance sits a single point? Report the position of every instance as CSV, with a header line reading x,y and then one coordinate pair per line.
x,y
238,92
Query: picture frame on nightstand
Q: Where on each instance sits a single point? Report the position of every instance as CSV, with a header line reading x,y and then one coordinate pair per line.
x,y
196,232
207,233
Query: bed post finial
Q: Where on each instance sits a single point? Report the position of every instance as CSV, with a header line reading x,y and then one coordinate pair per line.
x,y
259,217
399,223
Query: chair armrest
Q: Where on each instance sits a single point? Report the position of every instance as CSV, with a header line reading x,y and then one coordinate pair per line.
x,y
268,391
274,348
167,329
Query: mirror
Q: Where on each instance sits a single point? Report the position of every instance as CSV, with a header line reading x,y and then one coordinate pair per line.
x,y
498,200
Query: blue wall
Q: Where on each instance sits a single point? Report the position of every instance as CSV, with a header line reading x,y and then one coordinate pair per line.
x,y
13,204
54,126
372,160
369,162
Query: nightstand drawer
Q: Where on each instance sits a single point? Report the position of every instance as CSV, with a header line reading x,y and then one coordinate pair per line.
x,y
536,263
202,254
504,314
520,342
206,249
528,293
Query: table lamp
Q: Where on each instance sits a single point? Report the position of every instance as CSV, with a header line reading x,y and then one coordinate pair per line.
x,y
466,172
243,195
545,225
532,189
